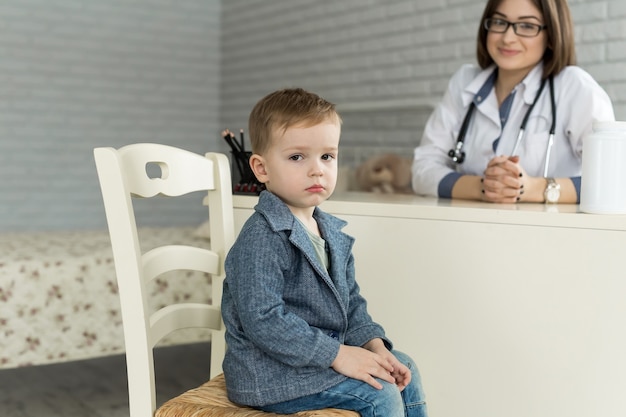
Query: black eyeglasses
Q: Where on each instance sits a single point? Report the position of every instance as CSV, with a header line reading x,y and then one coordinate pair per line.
x,y
524,29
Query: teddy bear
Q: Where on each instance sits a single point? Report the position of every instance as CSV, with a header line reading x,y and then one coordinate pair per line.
x,y
385,173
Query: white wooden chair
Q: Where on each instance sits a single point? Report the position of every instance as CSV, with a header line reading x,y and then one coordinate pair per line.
x,y
123,176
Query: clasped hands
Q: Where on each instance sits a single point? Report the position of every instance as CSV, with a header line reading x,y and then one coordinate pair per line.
x,y
372,360
503,180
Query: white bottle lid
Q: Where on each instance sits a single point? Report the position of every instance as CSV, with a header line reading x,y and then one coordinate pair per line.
x,y
604,126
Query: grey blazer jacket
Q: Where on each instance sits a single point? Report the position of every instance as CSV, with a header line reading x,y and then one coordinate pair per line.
x,y
285,314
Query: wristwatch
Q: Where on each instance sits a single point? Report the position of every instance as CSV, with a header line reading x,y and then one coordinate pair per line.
x,y
552,192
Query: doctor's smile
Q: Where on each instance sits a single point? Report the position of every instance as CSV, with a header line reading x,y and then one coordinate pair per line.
x,y
509,52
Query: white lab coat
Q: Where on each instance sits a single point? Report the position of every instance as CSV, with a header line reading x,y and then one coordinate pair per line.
x,y
579,102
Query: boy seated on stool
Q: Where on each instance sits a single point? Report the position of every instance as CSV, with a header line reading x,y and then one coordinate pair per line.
x,y
298,332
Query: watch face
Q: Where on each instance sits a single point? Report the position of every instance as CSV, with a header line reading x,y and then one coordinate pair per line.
x,y
552,195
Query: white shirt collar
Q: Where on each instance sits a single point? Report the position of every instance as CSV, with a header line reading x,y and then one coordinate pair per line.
x,y
530,83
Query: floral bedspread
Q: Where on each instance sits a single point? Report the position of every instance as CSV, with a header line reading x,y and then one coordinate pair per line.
x,y
59,300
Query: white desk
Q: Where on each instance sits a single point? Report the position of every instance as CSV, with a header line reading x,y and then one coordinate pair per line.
x,y
509,310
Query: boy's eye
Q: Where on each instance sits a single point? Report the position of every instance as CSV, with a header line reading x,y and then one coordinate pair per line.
x,y
328,157
295,157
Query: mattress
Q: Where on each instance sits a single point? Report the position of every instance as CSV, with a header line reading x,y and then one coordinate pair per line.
x,y
59,299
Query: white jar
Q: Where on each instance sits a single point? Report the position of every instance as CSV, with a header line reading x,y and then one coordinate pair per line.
x,y
603,183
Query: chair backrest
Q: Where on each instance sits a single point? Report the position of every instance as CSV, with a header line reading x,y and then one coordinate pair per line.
x,y
124,174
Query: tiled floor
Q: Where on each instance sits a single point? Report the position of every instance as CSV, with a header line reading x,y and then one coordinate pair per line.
x,y
96,388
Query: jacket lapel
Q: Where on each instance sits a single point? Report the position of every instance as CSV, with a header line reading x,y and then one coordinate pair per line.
x,y
280,217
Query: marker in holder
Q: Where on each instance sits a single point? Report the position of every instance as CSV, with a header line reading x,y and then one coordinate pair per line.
x,y
244,180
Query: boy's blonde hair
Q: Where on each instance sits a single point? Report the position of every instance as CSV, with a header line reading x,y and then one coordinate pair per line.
x,y
282,109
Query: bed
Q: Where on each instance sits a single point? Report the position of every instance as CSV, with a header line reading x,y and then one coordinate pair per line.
x,y
58,294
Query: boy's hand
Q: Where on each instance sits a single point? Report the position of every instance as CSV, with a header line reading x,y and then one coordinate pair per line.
x,y
401,373
362,364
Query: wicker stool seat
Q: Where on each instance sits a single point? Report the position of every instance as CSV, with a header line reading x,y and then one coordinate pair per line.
x,y
209,400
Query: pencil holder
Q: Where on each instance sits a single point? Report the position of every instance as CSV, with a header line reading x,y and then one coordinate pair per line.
x,y
244,181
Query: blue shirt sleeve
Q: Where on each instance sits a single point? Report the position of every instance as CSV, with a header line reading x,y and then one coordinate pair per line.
x,y
576,181
445,185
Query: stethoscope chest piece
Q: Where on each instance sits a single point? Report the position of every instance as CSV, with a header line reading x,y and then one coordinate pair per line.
x,y
457,154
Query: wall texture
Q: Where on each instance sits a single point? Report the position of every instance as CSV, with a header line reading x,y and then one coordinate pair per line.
x,y
76,74
384,62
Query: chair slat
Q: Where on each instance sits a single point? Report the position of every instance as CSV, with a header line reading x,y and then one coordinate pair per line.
x,y
169,258
183,316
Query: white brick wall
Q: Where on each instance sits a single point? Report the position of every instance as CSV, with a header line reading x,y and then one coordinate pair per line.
x,y
394,55
76,74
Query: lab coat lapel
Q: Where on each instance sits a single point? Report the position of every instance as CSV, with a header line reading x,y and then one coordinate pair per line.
x,y
487,106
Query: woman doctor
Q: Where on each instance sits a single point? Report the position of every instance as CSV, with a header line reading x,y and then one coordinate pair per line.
x,y
526,54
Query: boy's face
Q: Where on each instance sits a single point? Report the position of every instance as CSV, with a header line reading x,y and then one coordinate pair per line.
x,y
300,166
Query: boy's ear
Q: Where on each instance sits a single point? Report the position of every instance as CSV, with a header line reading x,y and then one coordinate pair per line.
x,y
257,164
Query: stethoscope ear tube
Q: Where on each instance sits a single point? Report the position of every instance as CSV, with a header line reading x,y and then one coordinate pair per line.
x,y
552,129
522,128
457,154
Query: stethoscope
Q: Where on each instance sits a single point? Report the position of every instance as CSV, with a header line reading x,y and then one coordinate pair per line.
x,y
458,154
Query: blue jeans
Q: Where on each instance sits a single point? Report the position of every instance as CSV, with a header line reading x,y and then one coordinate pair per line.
x,y
361,397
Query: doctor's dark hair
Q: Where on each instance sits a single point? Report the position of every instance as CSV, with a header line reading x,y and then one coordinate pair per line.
x,y
282,109
560,51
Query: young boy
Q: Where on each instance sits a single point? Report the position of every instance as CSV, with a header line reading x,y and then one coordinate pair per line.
x,y
298,333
